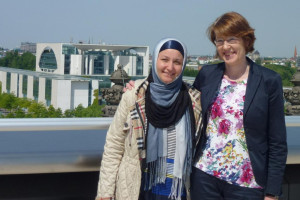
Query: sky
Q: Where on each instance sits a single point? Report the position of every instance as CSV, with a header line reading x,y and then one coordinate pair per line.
x,y
145,22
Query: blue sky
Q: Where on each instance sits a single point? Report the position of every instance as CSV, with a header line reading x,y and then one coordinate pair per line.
x,y
144,22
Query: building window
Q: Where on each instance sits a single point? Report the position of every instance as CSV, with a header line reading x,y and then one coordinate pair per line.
x,y
111,64
24,85
35,88
67,64
90,93
8,77
139,65
48,89
69,49
99,64
48,60
18,84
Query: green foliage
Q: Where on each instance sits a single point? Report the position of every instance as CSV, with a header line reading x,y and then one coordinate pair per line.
x,y
19,113
14,60
285,72
8,101
91,111
54,113
96,95
24,108
190,72
69,113
258,61
94,110
37,110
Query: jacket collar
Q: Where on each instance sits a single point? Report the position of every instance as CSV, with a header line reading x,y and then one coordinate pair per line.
x,y
253,82
209,92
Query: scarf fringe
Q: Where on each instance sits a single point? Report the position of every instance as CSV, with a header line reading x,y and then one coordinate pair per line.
x,y
176,189
157,171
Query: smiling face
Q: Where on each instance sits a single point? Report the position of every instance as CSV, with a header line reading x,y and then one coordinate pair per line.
x,y
232,51
169,65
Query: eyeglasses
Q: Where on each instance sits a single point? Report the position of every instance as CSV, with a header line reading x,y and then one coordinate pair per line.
x,y
231,40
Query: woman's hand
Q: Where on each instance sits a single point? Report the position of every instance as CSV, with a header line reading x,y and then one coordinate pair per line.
x,y
129,86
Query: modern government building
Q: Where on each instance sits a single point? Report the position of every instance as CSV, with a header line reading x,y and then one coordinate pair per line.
x,y
67,74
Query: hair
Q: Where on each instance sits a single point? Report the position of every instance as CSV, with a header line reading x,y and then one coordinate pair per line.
x,y
232,24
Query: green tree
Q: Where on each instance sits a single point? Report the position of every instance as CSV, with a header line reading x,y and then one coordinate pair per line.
x,y
8,101
14,60
258,61
285,72
190,72
79,111
54,113
94,111
26,108
19,113
69,113
96,95
27,61
37,110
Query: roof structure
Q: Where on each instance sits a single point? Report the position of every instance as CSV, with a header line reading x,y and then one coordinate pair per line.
x,y
86,47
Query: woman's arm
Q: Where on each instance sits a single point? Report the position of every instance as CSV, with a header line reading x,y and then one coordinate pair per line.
x,y
113,150
276,137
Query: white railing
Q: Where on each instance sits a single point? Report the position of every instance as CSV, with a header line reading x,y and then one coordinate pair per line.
x,y
52,124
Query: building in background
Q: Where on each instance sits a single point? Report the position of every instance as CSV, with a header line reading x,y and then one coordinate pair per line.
x,y
28,47
65,92
91,59
68,74
254,55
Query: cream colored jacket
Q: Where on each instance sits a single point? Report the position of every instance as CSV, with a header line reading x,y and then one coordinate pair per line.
x,y
120,171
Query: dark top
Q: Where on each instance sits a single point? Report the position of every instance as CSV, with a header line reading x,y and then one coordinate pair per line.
x,y
264,121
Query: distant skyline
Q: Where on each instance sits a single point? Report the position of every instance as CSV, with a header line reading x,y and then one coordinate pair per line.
x,y
141,22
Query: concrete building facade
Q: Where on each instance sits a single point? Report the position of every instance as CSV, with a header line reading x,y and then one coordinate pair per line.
x,y
68,74
91,59
60,91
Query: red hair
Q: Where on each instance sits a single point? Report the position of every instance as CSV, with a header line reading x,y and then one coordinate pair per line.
x,y
232,24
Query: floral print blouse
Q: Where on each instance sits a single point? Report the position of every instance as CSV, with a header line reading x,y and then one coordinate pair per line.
x,y
226,155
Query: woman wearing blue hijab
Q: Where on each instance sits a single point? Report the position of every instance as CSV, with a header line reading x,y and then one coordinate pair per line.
x,y
150,143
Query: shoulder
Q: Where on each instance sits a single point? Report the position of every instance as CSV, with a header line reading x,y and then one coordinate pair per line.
x,y
130,96
208,74
206,69
270,78
193,92
268,74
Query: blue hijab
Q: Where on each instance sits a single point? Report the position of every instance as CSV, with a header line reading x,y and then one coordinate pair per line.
x,y
161,93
